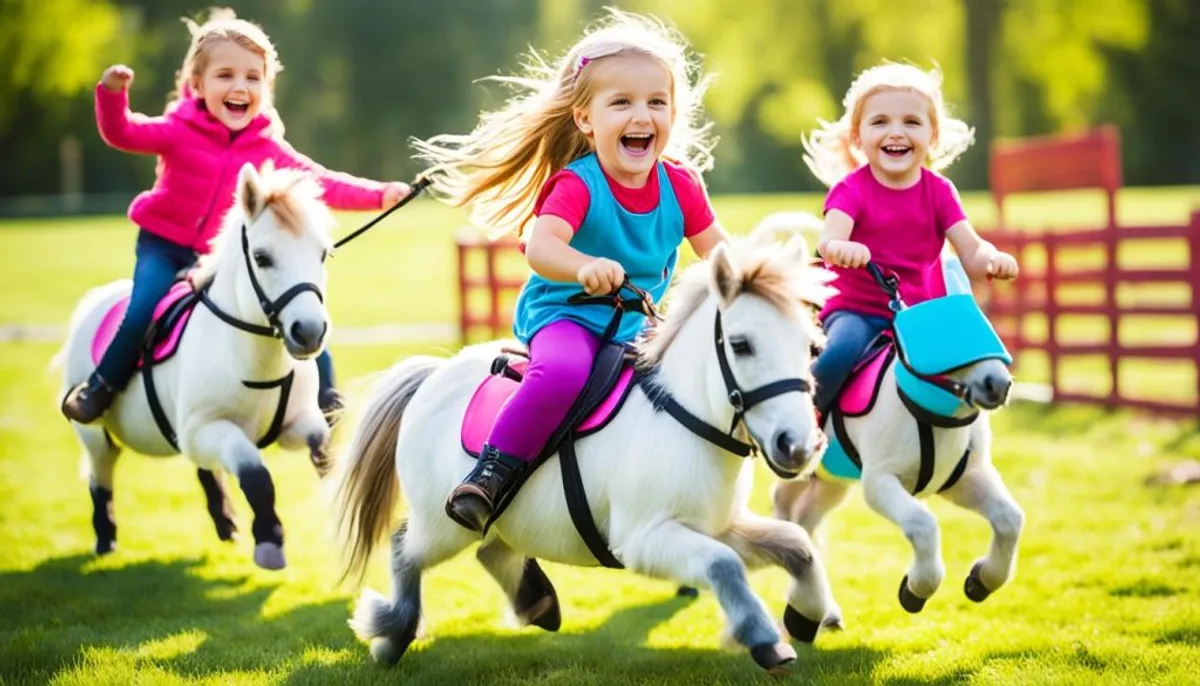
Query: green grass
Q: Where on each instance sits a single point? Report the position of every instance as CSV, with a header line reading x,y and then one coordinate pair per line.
x,y
1108,589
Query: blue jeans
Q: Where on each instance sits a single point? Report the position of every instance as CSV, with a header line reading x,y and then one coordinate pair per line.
x,y
159,263
849,334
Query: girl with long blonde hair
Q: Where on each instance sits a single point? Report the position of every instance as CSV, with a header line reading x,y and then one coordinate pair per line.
x,y
595,162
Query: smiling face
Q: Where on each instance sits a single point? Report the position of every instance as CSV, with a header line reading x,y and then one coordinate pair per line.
x,y
231,84
895,133
628,119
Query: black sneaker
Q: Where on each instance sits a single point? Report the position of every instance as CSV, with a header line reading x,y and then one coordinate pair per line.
x,y
86,403
471,504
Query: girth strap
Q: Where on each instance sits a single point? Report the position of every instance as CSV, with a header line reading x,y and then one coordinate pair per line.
x,y
164,425
924,470
580,510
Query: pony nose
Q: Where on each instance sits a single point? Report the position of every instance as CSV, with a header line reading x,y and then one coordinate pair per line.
x,y
996,389
794,453
307,334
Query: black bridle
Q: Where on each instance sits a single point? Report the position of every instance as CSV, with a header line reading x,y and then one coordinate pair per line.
x,y
742,401
270,308
273,308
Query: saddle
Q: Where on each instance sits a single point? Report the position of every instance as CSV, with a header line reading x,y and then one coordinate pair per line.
x,y
171,317
611,379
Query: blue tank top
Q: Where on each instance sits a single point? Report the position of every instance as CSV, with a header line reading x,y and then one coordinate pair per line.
x,y
646,245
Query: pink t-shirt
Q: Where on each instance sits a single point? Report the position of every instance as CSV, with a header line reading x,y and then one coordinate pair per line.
x,y
566,196
905,230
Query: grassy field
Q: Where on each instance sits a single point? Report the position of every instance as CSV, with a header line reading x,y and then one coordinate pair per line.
x,y
1108,589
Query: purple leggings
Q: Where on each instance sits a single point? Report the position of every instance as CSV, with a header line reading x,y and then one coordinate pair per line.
x,y
560,359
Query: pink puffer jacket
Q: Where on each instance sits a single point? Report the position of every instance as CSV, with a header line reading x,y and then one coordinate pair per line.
x,y
199,159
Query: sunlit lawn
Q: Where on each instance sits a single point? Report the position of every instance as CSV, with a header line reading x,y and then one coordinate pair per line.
x,y
1108,589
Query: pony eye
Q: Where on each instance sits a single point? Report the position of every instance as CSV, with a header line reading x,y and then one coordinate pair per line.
x,y
262,259
741,346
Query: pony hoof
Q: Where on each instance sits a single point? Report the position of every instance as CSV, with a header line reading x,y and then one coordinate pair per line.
x,y
544,614
908,600
387,651
105,547
834,622
974,587
687,592
800,627
227,531
774,657
536,602
269,556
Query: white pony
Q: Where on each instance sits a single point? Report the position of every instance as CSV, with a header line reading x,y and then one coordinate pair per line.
x,y
232,380
668,502
912,438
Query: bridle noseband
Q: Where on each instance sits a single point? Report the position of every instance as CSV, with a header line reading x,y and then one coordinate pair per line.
x,y
271,308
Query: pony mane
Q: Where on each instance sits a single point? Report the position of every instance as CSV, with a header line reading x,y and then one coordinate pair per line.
x,y
766,270
292,196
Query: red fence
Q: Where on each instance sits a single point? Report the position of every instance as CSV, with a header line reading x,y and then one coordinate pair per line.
x,y
1091,160
483,276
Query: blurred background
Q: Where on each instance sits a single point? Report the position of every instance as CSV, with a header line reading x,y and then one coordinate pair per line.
x,y
361,77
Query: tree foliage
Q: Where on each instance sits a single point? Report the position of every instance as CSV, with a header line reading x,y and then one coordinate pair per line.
x,y
361,77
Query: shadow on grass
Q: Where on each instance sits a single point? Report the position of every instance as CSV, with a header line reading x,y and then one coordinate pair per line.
x,y
51,617
613,653
64,621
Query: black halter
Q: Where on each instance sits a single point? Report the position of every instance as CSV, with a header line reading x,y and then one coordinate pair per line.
x,y
741,401
270,308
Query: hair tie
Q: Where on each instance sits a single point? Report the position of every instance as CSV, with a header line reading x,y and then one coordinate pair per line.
x,y
583,62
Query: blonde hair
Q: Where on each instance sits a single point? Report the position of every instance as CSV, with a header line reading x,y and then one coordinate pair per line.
x,y
830,151
223,25
500,167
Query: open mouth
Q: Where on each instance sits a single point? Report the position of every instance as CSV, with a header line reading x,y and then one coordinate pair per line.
x,y
237,109
896,150
637,144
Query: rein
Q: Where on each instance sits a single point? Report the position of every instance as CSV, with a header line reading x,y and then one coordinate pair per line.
x,y
418,185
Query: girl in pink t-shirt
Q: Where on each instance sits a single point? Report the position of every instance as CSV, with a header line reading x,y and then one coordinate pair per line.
x,y
886,207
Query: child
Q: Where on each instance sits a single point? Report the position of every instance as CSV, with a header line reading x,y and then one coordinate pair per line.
x,y
592,155
222,116
886,206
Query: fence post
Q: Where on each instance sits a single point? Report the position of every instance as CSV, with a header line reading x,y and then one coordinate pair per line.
x,y
1050,285
1110,301
464,315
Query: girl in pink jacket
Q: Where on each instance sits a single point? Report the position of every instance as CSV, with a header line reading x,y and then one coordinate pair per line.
x,y
222,116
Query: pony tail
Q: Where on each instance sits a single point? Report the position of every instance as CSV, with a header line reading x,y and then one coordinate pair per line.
x,y
829,153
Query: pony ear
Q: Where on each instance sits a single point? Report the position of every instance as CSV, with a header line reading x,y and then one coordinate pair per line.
x,y
796,250
250,192
727,278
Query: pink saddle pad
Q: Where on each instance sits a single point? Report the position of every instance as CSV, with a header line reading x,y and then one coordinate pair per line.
x,y
859,393
493,393
112,319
